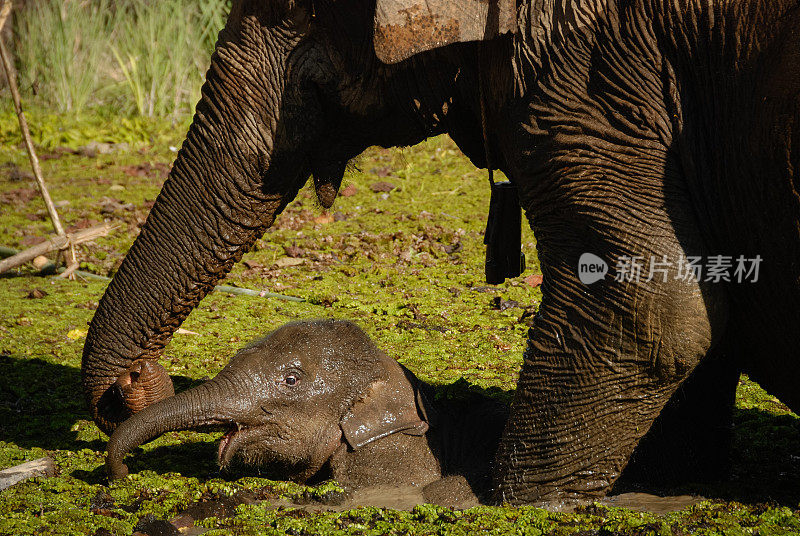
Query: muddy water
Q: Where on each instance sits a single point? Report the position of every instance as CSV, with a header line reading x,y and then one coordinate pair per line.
x,y
402,498
396,498
406,498
644,502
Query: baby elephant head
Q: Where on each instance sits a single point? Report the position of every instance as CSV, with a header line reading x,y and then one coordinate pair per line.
x,y
289,402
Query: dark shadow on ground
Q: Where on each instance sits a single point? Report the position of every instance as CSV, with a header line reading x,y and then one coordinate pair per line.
x,y
195,459
40,403
764,464
765,460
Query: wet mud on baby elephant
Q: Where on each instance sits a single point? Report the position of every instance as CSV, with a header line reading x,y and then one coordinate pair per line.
x,y
317,400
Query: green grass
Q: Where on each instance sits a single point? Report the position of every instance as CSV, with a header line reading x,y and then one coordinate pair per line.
x,y
407,267
137,57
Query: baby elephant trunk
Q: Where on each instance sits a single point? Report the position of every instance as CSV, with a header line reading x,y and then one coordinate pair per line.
x,y
194,408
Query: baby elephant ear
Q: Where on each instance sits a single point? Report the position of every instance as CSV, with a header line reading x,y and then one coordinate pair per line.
x,y
385,410
406,27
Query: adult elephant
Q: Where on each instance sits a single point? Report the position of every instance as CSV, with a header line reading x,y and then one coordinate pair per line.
x,y
632,128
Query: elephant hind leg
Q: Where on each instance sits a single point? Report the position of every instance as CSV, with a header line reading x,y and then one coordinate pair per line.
x,y
690,440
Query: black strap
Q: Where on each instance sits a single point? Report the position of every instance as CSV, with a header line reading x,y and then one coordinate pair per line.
x,y
484,115
504,257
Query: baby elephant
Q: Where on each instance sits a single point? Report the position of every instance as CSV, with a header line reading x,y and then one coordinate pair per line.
x,y
316,400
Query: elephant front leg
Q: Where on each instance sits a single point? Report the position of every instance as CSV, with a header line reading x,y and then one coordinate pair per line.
x,y
603,357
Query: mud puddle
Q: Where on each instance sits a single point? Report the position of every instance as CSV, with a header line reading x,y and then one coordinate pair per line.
x,y
645,502
406,498
396,498
393,497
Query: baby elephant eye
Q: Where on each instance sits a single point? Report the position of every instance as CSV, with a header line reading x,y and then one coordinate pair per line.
x,y
290,379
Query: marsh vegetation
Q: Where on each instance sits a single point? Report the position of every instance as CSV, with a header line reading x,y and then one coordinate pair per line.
x,y
400,253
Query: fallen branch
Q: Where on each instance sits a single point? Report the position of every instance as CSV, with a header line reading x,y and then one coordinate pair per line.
x,y
22,472
69,271
50,267
57,243
71,259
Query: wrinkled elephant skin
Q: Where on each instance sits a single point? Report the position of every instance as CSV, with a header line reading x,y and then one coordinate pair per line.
x,y
649,131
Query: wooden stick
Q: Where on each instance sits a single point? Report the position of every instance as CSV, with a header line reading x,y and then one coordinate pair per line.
x,y
50,267
5,11
54,244
70,270
14,475
8,33
7,252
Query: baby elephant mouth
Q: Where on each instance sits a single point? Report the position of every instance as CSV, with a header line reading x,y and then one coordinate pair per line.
x,y
274,456
255,446
225,452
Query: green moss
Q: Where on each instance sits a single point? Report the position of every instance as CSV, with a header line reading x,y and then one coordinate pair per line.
x,y
407,266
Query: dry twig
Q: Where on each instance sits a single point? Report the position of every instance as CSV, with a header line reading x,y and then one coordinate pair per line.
x,y
5,11
57,243
42,467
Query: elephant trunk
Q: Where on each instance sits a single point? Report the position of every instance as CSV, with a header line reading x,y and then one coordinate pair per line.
x,y
226,187
200,406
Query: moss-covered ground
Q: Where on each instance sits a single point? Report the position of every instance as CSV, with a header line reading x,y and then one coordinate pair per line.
x,y
401,253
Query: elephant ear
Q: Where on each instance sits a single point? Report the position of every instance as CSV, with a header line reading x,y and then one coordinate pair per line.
x,y
387,408
406,27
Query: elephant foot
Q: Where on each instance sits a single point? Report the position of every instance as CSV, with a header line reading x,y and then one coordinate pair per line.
x,y
144,383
